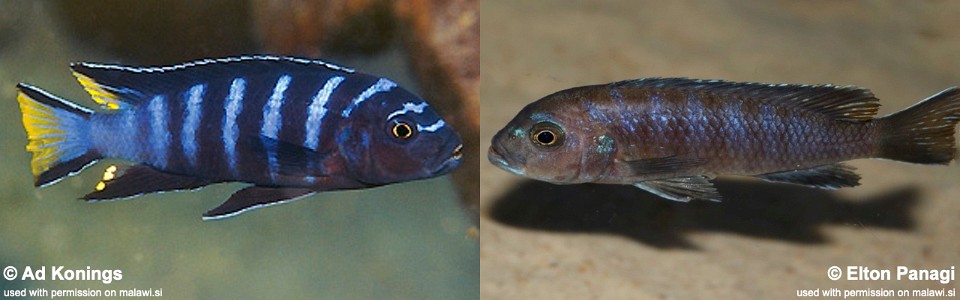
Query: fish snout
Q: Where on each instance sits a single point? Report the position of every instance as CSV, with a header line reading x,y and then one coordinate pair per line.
x,y
496,158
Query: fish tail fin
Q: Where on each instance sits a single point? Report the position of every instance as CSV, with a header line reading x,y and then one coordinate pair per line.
x,y
57,133
924,132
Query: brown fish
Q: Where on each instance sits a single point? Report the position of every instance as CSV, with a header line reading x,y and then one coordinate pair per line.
x,y
670,136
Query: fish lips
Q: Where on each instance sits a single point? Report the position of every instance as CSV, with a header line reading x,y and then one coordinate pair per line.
x,y
451,162
500,161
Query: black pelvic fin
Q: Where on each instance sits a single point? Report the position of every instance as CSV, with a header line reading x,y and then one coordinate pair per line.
x,y
682,189
829,177
125,182
255,197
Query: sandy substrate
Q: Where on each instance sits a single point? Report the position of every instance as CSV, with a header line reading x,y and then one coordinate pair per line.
x,y
540,241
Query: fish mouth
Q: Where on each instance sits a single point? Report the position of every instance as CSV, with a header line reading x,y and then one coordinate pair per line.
x,y
450,163
457,152
498,160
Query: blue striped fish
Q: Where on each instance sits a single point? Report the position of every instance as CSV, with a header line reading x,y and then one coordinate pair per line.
x,y
291,127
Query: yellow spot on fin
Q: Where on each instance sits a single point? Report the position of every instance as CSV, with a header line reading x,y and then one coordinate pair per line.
x,y
100,186
100,93
110,173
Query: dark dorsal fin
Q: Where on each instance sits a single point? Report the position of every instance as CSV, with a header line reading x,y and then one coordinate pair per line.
x,y
847,103
117,87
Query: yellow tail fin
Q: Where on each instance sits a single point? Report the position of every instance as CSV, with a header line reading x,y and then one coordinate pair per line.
x,y
57,134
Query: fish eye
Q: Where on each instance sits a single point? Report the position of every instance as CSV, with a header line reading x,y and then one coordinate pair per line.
x,y
402,130
547,134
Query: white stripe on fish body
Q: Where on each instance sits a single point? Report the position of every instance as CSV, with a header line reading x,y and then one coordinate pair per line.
x,y
159,138
233,107
271,110
272,120
408,107
191,122
382,85
317,110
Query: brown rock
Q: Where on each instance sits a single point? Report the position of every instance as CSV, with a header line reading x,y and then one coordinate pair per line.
x,y
443,43
309,28
160,31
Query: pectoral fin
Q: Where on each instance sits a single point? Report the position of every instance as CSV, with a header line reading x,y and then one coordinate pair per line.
x,y
682,189
287,158
829,177
255,197
128,181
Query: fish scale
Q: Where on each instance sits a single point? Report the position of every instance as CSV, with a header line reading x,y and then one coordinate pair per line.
x,y
672,135
260,120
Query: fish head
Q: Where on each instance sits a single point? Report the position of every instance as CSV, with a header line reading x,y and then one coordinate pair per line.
x,y
550,140
401,139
